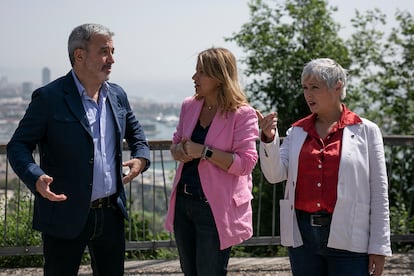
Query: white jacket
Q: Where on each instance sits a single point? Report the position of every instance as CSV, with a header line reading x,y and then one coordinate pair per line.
x,y
360,221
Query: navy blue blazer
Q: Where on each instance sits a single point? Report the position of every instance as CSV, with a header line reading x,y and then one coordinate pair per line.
x,y
55,121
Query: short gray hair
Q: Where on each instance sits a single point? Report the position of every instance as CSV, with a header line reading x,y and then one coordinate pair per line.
x,y
80,36
327,70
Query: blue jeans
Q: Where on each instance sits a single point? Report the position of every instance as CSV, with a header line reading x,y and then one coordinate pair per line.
x,y
197,238
105,238
314,258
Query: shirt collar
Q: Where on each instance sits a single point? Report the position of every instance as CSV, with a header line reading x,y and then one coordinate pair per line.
x,y
347,118
104,87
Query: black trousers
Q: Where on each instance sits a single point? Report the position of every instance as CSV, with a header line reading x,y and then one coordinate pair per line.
x,y
103,235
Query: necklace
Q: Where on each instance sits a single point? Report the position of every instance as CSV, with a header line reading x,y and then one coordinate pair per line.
x,y
209,107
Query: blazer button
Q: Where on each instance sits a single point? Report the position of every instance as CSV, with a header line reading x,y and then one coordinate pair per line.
x,y
91,161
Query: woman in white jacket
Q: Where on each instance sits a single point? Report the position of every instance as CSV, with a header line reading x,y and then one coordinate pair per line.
x,y
335,212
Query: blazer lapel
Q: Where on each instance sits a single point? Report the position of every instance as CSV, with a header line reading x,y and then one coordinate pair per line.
x,y
349,140
114,108
218,124
74,102
193,110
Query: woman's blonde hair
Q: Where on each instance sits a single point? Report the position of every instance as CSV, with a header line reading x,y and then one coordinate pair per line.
x,y
220,65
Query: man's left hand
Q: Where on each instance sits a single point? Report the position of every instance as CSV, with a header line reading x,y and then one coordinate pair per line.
x,y
135,166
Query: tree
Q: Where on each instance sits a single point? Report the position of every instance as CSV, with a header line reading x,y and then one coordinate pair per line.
x,y
384,66
278,41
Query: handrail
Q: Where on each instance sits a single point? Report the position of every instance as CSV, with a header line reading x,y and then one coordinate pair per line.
x,y
147,199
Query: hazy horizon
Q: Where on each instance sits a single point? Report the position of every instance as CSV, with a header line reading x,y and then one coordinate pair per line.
x,y
156,41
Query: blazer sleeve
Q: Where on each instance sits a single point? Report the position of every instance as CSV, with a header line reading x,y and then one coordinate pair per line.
x,y
134,132
246,132
379,241
25,138
274,158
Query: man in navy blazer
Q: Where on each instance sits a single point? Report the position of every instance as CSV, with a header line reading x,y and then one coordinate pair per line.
x,y
79,123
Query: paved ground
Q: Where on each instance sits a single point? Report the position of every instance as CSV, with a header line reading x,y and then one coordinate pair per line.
x,y
398,265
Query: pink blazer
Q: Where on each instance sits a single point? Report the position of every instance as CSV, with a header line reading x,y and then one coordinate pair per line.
x,y
228,192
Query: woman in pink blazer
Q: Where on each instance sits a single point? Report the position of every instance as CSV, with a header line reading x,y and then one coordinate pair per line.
x,y
215,142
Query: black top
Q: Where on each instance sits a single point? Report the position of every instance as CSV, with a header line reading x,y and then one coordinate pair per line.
x,y
189,174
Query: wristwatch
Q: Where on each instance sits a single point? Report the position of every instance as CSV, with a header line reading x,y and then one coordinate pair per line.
x,y
209,153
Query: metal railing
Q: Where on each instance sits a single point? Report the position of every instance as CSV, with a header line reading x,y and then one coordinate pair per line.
x,y
148,197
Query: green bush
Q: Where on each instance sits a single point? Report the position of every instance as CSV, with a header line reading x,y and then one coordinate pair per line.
x,y
17,229
138,229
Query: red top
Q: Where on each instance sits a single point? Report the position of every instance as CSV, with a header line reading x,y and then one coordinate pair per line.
x,y
319,164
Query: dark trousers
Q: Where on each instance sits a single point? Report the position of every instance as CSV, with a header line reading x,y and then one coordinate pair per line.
x,y
103,234
197,239
315,258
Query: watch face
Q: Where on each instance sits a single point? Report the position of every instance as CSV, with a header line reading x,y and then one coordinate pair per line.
x,y
209,153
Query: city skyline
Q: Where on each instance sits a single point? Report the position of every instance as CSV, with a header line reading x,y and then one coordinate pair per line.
x,y
156,41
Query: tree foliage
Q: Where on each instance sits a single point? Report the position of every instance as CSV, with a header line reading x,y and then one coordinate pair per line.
x,y
278,41
384,64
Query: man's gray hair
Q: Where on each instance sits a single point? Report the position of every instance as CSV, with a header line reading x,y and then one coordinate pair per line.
x,y
80,36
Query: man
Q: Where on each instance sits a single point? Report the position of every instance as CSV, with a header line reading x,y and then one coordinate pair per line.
x,y
78,122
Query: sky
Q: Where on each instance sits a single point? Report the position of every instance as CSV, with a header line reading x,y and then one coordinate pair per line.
x,y
156,41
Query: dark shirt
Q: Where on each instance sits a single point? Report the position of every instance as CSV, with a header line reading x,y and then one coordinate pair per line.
x,y
189,174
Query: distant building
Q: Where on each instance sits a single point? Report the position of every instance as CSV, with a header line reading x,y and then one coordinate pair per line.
x,y
3,80
27,89
45,76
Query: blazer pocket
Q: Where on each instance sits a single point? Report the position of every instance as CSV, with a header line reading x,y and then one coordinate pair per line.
x,y
360,227
121,113
242,198
242,212
121,118
286,232
65,129
64,117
